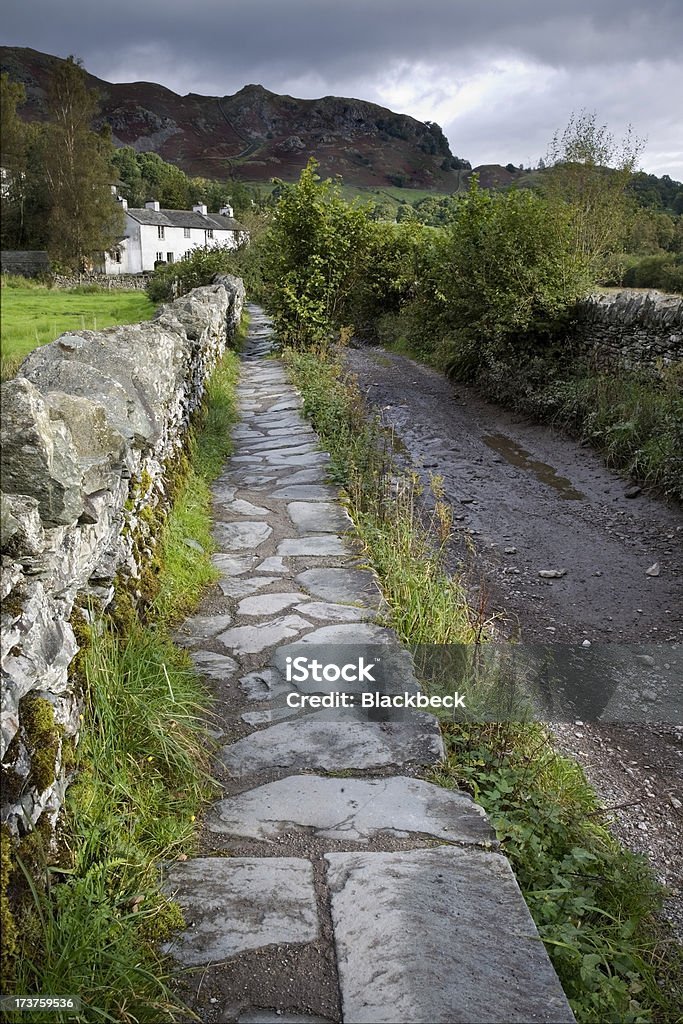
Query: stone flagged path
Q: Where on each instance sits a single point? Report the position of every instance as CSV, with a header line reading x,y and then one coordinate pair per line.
x,y
333,885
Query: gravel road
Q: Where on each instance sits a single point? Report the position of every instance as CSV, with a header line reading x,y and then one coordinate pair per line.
x,y
529,500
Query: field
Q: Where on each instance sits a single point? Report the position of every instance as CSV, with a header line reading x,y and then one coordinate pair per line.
x,y
33,315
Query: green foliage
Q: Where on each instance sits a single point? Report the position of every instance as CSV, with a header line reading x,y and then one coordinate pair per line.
x,y
142,775
504,273
592,902
316,251
188,571
589,173
145,176
59,195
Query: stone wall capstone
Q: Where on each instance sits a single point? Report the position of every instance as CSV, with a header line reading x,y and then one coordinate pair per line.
x,y
91,427
25,263
629,330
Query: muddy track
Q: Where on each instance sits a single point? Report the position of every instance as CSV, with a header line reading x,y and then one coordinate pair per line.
x,y
527,499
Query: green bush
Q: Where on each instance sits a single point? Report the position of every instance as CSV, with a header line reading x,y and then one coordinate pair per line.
x,y
316,251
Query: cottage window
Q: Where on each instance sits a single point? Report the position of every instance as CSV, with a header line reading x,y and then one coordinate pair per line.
x,y
169,257
209,233
186,232
160,257
160,229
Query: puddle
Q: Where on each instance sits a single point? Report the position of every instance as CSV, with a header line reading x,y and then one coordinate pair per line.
x,y
517,456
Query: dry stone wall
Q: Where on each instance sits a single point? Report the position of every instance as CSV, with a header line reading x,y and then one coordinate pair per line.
x,y
92,429
630,330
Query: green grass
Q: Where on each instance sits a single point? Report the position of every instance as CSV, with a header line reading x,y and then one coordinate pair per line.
x,y
427,604
594,904
33,315
93,922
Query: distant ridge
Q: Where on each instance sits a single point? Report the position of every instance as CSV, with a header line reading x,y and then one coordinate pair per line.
x,y
256,134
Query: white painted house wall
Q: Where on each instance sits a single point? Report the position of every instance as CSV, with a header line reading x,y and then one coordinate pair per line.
x,y
146,243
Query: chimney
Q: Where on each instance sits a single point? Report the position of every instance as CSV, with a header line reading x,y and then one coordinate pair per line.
x,y
226,211
200,208
153,204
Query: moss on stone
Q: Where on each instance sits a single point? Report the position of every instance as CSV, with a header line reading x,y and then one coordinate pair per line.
x,y
123,612
42,737
12,606
160,926
8,926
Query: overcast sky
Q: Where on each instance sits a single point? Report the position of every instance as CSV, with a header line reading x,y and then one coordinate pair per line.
x,y
499,76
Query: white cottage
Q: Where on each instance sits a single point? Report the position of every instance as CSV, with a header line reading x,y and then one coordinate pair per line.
x,y
154,235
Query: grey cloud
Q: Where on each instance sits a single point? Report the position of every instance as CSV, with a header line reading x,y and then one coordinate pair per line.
x,y
619,53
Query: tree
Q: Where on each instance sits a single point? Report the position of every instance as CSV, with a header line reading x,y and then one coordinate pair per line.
x,y
316,248
503,275
589,171
13,140
77,166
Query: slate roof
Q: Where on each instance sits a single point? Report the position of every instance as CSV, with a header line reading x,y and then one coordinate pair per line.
x,y
184,219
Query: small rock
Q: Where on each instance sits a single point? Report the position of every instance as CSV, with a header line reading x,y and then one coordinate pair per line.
x,y
190,542
675,802
653,570
510,551
552,574
650,695
586,643
633,491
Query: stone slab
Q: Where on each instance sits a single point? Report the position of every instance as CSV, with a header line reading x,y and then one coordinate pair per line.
x,y
242,588
304,492
438,935
241,536
233,565
202,627
268,604
245,508
355,810
327,742
364,633
271,443
250,479
341,585
318,517
271,564
222,491
304,476
313,544
234,904
295,447
253,639
328,612
311,458
264,684
216,666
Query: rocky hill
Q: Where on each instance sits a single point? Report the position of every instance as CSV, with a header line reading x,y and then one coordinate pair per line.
x,y
256,134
